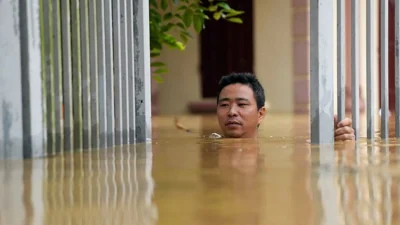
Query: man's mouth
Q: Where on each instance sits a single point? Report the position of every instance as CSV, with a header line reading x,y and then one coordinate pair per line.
x,y
233,123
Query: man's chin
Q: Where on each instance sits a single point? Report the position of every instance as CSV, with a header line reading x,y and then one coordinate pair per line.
x,y
233,134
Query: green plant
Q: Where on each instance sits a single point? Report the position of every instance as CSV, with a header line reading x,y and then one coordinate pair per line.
x,y
172,20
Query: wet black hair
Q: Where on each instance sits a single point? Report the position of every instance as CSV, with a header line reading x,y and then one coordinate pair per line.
x,y
246,79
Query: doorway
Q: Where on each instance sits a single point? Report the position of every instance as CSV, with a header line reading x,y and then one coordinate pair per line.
x,y
391,57
226,47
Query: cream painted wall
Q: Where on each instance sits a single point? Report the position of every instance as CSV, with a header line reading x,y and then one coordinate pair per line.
x,y
182,82
273,52
273,62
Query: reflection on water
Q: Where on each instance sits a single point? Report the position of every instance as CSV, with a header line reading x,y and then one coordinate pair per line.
x,y
357,186
100,187
181,178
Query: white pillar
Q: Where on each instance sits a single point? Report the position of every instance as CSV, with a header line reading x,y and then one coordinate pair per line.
x,y
322,71
22,129
384,32
142,70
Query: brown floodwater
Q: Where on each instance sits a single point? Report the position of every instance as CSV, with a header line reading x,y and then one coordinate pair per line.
x,y
184,178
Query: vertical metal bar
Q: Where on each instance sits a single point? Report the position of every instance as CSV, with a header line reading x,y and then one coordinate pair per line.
x,y
22,128
76,74
397,63
321,82
109,72
101,74
94,115
370,70
43,64
117,70
48,73
67,108
355,68
341,58
30,64
85,62
124,71
384,70
142,70
131,75
58,95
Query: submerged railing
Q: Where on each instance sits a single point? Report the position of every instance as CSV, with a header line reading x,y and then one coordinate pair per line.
x,y
74,75
322,40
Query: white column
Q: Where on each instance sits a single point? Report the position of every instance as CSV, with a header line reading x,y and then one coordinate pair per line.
x,y
142,70
355,67
322,71
22,129
384,32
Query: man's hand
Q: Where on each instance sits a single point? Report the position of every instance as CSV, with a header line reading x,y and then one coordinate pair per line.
x,y
344,130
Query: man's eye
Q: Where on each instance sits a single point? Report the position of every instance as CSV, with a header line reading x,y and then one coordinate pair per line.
x,y
242,104
224,105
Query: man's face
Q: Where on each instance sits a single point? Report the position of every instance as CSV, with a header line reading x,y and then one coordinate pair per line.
x,y
237,112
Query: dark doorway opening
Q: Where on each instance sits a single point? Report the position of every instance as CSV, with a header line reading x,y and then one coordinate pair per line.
x,y
226,47
391,57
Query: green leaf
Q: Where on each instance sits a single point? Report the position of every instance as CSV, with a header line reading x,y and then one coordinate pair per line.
x,y
235,20
205,16
168,16
156,45
217,15
155,52
181,25
172,42
164,4
155,16
224,5
198,22
176,2
182,7
154,55
161,70
158,78
167,27
213,8
203,8
157,64
153,3
234,13
180,45
187,33
188,17
184,38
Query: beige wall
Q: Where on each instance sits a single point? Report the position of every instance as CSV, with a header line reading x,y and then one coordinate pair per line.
x,y
273,52
182,82
273,62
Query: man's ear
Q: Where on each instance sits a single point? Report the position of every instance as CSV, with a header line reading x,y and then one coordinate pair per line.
x,y
261,114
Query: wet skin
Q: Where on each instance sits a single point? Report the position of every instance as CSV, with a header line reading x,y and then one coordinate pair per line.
x,y
237,112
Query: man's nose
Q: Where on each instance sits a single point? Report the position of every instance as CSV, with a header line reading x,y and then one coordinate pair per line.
x,y
232,111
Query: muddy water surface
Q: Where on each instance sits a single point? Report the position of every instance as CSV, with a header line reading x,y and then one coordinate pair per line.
x,y
183,178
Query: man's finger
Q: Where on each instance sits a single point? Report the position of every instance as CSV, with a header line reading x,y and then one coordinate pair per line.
x,y
344,130
345,122
345,137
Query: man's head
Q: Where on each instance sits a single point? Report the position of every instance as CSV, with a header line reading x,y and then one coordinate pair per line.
x,y
240,107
